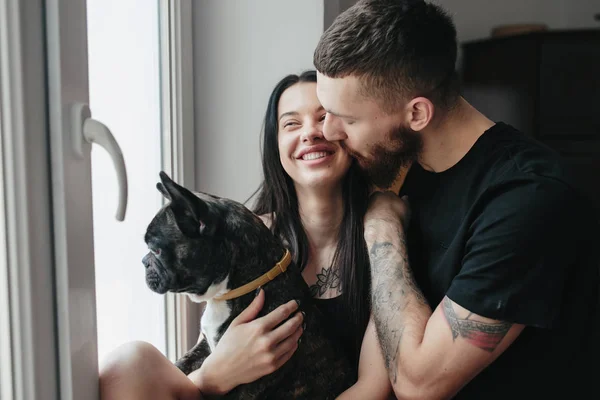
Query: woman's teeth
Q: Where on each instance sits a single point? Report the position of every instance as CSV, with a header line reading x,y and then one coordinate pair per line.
x,y
315,155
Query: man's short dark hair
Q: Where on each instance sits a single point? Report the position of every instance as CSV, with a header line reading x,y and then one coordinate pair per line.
x,y
400,49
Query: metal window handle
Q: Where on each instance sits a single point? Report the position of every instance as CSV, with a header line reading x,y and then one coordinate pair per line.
x,y
85,131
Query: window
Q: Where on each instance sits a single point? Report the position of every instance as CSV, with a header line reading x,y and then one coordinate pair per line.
x,y
125,94
54,188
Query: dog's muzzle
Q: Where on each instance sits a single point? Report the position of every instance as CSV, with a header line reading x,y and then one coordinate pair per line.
x,y
147,259
155,280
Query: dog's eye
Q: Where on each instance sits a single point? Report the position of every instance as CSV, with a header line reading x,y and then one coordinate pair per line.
x,y
156,252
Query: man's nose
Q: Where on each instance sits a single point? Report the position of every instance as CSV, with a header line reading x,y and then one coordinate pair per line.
x,y
331,129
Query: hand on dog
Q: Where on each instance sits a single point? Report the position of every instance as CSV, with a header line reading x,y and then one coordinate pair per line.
x,y
252,348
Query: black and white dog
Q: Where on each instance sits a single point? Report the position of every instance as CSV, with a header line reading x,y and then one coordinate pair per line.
x,y
207,247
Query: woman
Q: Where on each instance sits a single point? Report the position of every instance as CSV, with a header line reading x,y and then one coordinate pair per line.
x,y
314,198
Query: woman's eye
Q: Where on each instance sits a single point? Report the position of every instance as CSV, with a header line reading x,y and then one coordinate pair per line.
x,y
322,117
289,123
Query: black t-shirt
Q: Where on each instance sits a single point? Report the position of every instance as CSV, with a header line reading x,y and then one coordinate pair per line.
x,y
505,234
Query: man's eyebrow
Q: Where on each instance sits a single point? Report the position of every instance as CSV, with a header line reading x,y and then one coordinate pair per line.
x,y
339,115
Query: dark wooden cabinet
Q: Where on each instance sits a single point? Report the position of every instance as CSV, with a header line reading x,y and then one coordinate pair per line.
x,y
546,84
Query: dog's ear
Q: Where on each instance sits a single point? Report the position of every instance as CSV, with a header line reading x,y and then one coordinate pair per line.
x,y
163,191
192,214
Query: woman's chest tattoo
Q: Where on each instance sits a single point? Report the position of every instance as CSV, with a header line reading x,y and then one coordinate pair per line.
x,y
327,279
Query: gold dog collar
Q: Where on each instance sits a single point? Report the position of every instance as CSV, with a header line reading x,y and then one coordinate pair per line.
x,y
279,268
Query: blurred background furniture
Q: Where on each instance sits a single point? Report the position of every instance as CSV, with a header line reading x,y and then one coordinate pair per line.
x,y
546,84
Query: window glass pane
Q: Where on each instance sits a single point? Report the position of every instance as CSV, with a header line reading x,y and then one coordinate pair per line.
x,y
123,42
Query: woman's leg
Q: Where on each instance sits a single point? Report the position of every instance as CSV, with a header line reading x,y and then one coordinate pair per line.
x,y
138,370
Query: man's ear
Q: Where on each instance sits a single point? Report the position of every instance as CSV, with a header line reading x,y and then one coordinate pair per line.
x,y
420,111
191,213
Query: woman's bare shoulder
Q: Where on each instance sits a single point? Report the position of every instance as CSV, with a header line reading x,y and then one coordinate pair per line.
x,y
267,219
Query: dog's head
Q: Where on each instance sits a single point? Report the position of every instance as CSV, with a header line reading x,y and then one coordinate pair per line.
x,y
196,241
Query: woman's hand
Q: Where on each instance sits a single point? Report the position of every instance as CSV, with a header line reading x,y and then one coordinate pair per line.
x,y
251,348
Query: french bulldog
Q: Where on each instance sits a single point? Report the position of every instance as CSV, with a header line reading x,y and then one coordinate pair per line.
x,y
206,246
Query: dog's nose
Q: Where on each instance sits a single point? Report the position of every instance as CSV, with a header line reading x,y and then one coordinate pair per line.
x,y
146,260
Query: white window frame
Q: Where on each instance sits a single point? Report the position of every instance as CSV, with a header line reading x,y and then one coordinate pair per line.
x,y
178,148
29,350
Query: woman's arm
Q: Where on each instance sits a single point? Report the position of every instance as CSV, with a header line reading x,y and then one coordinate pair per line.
x,y
373,381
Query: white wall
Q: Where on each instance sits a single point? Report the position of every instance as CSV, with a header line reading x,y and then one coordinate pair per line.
x,y
475,18
333,8
241,50
580,13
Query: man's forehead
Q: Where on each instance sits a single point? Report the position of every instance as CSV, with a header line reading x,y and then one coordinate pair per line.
x,y
346,83
337,94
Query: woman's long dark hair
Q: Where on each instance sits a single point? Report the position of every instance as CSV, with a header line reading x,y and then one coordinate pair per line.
x,y
277,197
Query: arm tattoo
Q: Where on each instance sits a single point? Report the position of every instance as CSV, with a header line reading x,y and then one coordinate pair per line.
x,y
393,290
485,335
328,278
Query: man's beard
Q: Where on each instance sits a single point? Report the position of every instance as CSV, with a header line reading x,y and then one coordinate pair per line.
x,y
387,159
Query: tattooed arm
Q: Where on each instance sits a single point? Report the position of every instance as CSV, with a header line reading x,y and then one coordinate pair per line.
x,y
429,355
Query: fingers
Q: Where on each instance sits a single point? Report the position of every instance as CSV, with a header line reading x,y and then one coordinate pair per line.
x,y
278,315
287,329
290,343
274,359
252,310
286,356
277,345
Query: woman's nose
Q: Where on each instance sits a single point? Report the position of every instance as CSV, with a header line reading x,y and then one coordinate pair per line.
x,y
312,132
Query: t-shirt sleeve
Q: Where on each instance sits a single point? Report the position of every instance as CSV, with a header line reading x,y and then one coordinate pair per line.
x,y
520,246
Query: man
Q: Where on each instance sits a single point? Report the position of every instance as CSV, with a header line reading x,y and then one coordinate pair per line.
x,y
491,289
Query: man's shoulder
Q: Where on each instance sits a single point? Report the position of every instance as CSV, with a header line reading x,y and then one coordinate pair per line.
x,y
532,178
512,155
518,172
